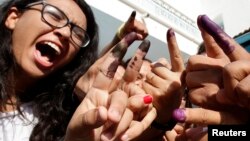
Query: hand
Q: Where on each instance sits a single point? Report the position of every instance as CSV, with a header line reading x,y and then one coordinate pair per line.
x,y
164,82
180,133
108,115
236,83
132,25
143,113
99,106
204,73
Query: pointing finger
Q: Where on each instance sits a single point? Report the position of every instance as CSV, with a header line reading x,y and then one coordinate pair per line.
x,y
205,116
175,54
134,65
227,44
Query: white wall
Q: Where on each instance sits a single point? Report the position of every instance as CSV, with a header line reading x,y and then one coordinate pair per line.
x,y
121,11
234,13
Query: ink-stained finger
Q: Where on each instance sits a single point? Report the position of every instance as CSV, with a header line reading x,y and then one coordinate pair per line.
x,y
131,18
206,116
134,65
230,47
174,52
112,61
211,47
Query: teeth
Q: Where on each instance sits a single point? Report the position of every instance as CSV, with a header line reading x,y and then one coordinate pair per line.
x,y
55,47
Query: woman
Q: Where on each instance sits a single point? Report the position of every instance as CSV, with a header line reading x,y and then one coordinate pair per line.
x,y
44,45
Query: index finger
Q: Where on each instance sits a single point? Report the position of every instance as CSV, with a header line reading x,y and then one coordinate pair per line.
x,y
212,49
134,65
231,48
206,116
131,18
110,64
174,52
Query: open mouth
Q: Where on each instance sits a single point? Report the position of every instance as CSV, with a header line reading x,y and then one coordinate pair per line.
x,y
46,53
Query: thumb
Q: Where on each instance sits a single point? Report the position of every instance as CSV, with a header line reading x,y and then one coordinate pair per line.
x,y
230,47
83,125
94,118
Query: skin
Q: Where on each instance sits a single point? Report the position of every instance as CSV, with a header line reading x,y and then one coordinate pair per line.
x,y
165,83
236,78
24,47
131,25
104,115
227,106
86,81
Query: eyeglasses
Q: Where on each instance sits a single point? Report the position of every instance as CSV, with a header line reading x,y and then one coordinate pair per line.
x,y
56,18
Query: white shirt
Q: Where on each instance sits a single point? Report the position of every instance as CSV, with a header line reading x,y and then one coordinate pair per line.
x,y
14,127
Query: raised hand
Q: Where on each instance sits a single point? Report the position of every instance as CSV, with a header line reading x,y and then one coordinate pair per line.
x,y
132,25
204,73
164,82
108,114
99,105
213,80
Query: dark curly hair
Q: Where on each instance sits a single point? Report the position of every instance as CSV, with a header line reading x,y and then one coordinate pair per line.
x,y
54,102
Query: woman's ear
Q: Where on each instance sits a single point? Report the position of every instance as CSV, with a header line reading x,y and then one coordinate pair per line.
x,y
13,16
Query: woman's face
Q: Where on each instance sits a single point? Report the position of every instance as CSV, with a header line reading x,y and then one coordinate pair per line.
x,y
38,48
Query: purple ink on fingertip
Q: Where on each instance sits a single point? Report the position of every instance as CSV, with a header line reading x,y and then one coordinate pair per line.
x,y
121,48
133,14
179,115
170,33
218,34
144,46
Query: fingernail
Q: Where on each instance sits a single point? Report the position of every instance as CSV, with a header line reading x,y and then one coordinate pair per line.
x,y
215,30
147,99
125,138
144,46
115,114
179,115
170,33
